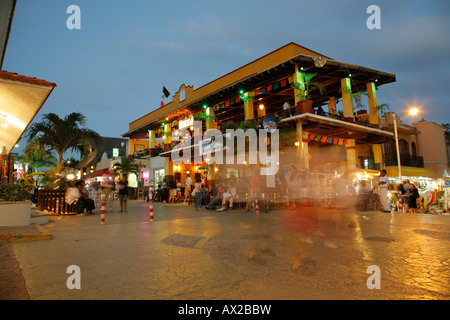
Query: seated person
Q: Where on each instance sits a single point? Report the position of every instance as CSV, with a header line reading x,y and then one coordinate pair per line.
x,y
213,192
72,194
229,196
216,200
84,201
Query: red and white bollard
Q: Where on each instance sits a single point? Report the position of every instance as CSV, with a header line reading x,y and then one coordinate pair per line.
x,y
103,209
400,203
256,204
150,206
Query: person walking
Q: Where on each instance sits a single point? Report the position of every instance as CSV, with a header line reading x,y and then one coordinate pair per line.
x,y
166,191
383,185
365,192
413,199
407,188
187,185
198,195
123,194
172,190
255,187
151,193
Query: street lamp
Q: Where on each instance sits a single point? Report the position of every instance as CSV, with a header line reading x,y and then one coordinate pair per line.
x,y
411,112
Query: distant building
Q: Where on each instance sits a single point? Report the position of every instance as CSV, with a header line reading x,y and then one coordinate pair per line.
x,y
422,147
432,145
102,159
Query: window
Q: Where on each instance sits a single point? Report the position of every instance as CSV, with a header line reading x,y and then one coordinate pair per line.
x,y
403,146
414,149
159,176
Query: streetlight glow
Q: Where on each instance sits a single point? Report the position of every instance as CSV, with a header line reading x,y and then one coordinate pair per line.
x,y
412,112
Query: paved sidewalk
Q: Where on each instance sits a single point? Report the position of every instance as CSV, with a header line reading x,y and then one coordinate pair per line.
x,y
184,254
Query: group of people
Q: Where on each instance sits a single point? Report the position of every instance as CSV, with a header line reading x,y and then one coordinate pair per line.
x,y
214,196
305,187
86,199
77,194
171,192
410,194
210,195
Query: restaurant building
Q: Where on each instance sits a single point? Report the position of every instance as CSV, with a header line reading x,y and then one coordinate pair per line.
x,y
332,136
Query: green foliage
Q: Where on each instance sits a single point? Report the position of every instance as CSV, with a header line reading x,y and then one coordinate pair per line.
x,y
202,115
245,125
245,97
446,129
230,125
308,86
37,157
15,191
382,108
126,166
357,97
71,162
288,136
61,135
52,181
166,133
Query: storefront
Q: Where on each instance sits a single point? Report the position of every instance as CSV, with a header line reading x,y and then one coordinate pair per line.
x,y
434,191
313,139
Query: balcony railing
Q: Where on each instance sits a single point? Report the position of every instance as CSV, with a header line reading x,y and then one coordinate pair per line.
x,y
361,116
390,159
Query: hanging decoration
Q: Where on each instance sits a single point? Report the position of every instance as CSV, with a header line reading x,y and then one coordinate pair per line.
x,y
243,96
203,115
325,139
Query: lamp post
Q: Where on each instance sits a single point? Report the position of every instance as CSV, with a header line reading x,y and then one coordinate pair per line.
x,y
411,112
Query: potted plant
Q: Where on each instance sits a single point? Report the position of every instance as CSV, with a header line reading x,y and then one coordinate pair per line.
x,y
15,209
382,108
152,152
304,90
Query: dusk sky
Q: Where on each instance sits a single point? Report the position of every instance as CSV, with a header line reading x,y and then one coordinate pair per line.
x,y
113,69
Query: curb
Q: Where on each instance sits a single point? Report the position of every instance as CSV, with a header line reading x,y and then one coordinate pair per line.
x,y
44,235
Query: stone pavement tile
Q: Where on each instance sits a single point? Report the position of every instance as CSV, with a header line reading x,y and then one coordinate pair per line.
x,y
189,255
12,282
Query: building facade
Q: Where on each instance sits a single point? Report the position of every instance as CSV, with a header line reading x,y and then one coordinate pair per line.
x,y
332,136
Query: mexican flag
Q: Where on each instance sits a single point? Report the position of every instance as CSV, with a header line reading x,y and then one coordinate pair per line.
x,y
165,95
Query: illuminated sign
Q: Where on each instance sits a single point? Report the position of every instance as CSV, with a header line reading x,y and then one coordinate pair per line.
x,y
185,123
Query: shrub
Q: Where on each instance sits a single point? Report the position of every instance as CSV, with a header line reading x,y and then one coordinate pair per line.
x,y
15,191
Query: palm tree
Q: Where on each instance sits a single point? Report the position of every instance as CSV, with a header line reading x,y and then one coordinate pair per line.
x,y
62,135
126,166
37,158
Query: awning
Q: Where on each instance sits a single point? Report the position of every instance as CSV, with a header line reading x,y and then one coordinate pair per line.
x,y
21,98
410,172
94,174
335,128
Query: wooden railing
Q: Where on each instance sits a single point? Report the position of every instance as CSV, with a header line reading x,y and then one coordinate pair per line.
x,y
53,202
